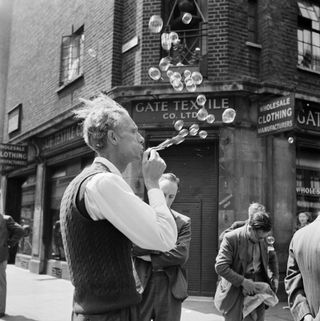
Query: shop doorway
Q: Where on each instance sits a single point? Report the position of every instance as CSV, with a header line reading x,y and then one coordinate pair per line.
x,y
196,164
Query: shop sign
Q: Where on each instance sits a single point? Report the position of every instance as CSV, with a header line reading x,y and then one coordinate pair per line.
x,y
13,155
276,116
309,118
168,111
62,137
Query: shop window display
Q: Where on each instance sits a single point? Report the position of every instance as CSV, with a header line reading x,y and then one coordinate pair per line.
x,y
308,182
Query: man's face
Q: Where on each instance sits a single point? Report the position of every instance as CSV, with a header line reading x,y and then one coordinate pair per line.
x,y
131,142
259,234
169,190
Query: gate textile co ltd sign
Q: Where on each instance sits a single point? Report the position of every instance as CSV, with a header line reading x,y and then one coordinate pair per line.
x,y
276,116
166,111
13,155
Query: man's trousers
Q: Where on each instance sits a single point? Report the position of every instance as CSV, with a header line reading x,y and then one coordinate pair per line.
x,y
3,286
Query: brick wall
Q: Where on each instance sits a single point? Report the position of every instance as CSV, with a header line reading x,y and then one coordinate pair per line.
x,y
37,29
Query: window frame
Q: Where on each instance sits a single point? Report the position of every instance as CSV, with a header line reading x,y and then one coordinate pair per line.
x,y
71,58
308,36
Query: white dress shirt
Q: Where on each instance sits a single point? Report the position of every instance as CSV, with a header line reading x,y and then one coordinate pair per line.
x,y
108,196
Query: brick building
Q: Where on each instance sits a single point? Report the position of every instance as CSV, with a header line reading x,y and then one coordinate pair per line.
x,y
260,58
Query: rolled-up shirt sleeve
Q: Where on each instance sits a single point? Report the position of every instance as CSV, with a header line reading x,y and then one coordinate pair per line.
x,y
108,196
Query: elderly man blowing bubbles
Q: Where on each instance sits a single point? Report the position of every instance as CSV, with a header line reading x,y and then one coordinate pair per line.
x,y
101,216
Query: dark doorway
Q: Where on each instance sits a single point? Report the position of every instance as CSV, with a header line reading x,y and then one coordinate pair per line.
x,y
196,164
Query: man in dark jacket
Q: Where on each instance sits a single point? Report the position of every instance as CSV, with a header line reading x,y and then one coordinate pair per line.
x,y
241,262
10,234
162,274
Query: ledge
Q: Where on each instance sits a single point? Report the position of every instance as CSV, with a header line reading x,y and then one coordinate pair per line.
x,y
69,83
253,44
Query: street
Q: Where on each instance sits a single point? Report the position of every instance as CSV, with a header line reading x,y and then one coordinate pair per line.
x,y
33,297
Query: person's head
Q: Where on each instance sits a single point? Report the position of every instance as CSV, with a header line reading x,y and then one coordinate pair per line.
x,y
169,184
255,207
109,130
259,225
304,218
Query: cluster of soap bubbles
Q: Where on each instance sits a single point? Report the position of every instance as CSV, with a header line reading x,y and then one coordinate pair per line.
x,y
228,117
188,79
193,130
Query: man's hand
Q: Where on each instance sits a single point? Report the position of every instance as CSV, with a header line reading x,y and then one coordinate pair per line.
x,y
249,287
153,167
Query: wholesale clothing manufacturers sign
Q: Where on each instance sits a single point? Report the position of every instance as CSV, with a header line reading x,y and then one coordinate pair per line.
x,y
276,116
13,155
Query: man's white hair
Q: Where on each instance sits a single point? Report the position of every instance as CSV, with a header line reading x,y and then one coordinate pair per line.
x,y
99,115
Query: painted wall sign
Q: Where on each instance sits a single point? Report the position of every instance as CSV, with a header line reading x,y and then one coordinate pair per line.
x,y
309,118
13,155
61,137
276,116
167,111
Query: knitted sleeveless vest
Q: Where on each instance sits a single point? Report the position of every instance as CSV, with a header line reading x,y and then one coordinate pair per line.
x,y
98,255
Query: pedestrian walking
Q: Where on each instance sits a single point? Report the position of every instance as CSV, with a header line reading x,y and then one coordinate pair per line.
x,y
242,263
100,215
10,234
162,274
302,281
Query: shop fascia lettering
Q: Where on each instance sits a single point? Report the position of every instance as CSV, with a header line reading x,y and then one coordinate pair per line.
x,y
186,108
275,115
309,118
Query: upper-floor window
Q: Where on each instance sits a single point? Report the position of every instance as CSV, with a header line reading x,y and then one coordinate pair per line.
x,y
71,56
186,28
309,35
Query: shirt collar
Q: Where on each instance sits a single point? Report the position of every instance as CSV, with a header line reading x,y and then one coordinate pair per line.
x,y
113,169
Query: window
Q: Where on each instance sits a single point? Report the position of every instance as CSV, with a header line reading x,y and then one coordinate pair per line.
x,y
252,21
186,19
71,57
309,35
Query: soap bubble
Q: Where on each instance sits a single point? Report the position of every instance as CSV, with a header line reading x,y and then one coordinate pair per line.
x,y
177,85
178,125
184,132
179,139
201,100
228,115
176,75
154,73
202,114
186,18
190,85
210,119
165,41
169,73
155,24
290,140
164,64
203,134
197,77
270,240
193,129
92,53
174,38
187,73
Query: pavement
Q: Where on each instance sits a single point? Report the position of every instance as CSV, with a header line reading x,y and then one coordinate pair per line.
x,y
34,297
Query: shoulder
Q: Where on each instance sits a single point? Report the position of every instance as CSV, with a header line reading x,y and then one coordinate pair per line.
x,y
236,233
182,217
